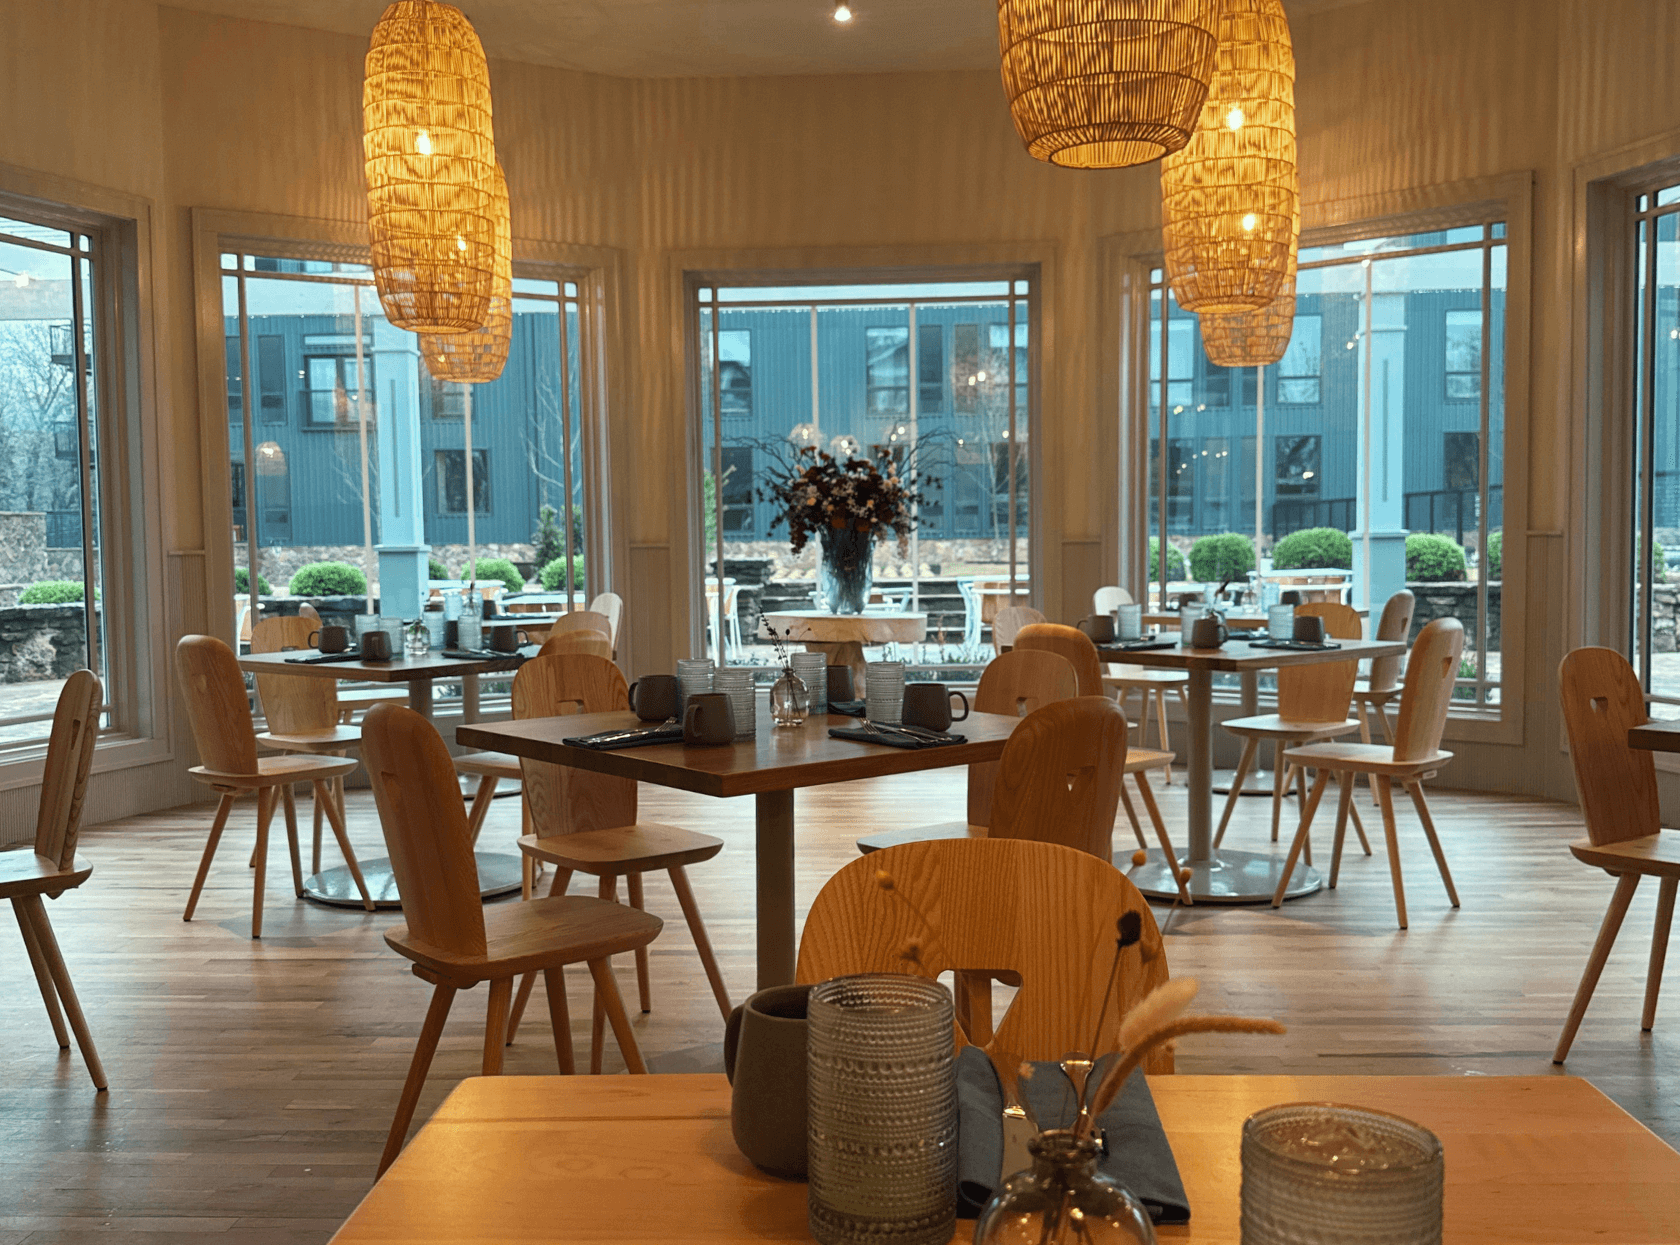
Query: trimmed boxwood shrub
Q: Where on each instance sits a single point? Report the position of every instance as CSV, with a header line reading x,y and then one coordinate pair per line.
x,y
555,571
327,579
1313,547
1432,559
436,569
1175,561
1220,559
495,568
53,592
242,582
1494,562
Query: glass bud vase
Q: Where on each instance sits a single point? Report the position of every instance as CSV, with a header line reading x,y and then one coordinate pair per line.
x,y
790,699
1063,1200
847,571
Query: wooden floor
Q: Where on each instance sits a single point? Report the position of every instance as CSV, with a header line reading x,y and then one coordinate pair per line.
x,y
252,1083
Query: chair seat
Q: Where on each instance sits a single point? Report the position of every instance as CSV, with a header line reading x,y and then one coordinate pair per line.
x,y
642,848
1143,676
325,742
1275,726
277,771
25,873
1140,759
1655,854
916,834
528,937
1364,758
1362,692
489,765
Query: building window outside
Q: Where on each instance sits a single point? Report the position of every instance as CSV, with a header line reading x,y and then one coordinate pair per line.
x,y
737,489
734,371
449,401
331,395
1298,370
449,468
1462,365
1462,455
1298,466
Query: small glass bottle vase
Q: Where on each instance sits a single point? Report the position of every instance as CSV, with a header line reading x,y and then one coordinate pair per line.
x,y
1063,1200
790,699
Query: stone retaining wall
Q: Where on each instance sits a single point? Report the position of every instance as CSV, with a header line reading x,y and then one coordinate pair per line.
x,y
25,558
41,642
1459,601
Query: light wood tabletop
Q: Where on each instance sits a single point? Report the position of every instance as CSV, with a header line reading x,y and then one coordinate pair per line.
x,y
1655,736
769,766
417,672
632,1159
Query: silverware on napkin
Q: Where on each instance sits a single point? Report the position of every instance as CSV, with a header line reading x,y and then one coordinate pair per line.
x,y
1019,1127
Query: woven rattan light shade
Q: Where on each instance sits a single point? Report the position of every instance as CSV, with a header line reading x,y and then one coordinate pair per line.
x,y
430,156
1252,338
480,356
1102,84
1229,198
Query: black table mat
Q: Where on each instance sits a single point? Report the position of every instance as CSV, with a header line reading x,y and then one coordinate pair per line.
x,y
611,741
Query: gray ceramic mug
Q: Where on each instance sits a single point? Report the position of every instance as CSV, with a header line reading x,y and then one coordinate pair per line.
x,y
709,719
928,705
1309,629
764,1057
656,697
376,646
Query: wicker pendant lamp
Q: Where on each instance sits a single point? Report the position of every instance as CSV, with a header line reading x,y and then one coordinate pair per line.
x,y
1229,198
479,356
1103,84
1252,338
430,158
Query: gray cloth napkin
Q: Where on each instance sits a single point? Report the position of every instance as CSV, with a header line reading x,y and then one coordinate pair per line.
x,y
1138,1157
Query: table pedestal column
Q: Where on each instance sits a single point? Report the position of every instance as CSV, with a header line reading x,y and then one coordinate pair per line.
x,y
775,888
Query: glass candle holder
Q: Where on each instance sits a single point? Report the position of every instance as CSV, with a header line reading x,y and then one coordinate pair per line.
x,y
1128,622
882,1092
694,676
737,682
812,669
884,691
1317,1173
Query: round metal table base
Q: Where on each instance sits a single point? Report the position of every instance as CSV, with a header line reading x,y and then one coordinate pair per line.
x,y
1258,782
1230,877
498,874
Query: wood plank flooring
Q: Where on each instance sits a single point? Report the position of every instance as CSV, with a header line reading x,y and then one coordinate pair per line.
x,y
252,1082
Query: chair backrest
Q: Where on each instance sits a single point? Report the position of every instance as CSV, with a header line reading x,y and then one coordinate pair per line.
x,y
1014,684
1059,777
306,610
217,705
293,703
1009,621
1107,600
425,825
1322,691
1041,910
1617,784
563,800
1395,624
583,620
64,777
1070,643
611,607
1430,671
590,642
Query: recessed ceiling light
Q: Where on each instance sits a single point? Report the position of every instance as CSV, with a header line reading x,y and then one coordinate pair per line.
x,y
842,12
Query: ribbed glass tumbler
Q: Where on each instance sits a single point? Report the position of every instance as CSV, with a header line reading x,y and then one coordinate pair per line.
x,y
883,1111
1316,1173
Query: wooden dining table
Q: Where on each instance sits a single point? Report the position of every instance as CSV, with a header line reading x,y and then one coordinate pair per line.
x,y
1533,1160
769,766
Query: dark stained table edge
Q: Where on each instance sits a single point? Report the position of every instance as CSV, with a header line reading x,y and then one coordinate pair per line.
x,y
1655,736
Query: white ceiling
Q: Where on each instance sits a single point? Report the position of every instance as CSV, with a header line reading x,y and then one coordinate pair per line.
x,y
686,38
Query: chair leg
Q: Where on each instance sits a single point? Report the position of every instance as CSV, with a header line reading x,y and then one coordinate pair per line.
x,y
559,1018
1298,774
495,1025
1345,785
430,1032
1280,784
608,889
289,800
335,815
216,828
561,877
1161,731
267,798
1422,806
1251,746
606,994
1300,839
1365,738
1131,815
43,976
1154,811
1659,951
32,910
702,944
644,989
317,817
1358,824
481,805
1626,884
1385,798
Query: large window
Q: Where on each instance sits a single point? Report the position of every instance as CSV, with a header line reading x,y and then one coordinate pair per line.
x,y
1384,419
935,375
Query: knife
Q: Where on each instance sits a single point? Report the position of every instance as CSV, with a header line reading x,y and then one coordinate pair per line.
x,y
1019,1127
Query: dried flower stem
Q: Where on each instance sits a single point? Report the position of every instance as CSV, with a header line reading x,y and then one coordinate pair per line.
x,y
1128,1062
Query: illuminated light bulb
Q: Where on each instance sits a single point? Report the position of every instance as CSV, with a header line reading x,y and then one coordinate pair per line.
x,y
423,142
460,243
981,377
21,280
842,12
1248,223
1234,119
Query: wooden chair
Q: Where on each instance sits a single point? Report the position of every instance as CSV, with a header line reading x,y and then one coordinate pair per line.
x,y
1074,645
454,941
1414,756
583,620
1149,682
1382,684
1107,600
586,823
592,643
1008,623
53,867
611,607
1040,912
220,715
1617,785
303,713
1015,684
1312,705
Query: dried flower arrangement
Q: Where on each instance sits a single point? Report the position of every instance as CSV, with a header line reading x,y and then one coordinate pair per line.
x,y
818,491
